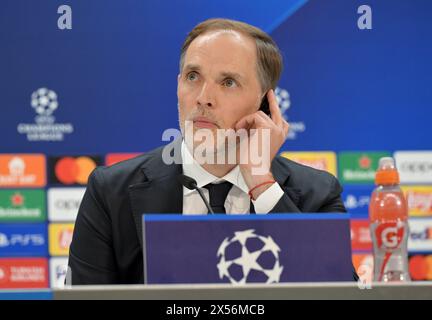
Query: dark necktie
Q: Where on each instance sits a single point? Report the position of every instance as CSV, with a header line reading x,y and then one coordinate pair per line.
x,y
218,193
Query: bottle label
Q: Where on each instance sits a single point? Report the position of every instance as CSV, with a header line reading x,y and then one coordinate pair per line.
x,y
389,235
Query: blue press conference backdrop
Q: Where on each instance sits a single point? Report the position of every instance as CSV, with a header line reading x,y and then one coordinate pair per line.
x,y
115,72
111,88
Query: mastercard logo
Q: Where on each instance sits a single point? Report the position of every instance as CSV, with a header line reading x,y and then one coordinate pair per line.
x,y
74,170
420,267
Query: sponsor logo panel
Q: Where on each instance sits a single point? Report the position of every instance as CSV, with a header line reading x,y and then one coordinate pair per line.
x,y
419,199
360,235
63,203
325,161
22,170
60,236
420,238
22,205
23,273
72,170
58,270
356,198
22,240
359,167
414,166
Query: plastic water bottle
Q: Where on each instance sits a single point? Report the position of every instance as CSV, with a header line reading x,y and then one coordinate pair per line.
x,y
388,214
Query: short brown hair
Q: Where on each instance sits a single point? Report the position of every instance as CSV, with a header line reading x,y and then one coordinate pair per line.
x,y
269,58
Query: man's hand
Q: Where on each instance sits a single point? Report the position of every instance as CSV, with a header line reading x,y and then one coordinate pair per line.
x,y
266,135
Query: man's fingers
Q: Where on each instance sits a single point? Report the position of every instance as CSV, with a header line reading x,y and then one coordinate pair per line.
x,y
285,127
249,121
274,108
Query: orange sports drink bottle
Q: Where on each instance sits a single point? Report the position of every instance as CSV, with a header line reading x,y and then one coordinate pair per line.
x,y
388,215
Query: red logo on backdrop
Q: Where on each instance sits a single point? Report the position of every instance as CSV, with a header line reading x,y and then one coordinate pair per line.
x,y
113,158
389,235
360,235
23,273
65,239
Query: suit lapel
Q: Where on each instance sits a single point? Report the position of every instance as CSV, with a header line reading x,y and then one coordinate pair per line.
x,y
159,191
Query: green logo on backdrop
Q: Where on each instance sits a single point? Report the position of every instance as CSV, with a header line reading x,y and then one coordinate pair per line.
x,y
359,167
22,205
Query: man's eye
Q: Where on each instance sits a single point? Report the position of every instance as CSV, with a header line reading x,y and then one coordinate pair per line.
x,y
192,76
229,83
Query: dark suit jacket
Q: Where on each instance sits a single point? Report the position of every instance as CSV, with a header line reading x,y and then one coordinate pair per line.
x,y
107,241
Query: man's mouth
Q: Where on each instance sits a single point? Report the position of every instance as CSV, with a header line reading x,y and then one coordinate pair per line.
x,y
203,122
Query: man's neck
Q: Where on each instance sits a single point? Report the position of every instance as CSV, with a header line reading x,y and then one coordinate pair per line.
x,y
218,170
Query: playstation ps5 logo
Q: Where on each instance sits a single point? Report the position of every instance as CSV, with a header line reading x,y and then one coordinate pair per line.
x,y
248,257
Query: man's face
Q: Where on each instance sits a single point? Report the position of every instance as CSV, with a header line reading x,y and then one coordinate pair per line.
x,y
218,84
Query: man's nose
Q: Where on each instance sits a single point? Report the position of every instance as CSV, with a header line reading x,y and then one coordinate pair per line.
x,y
205,96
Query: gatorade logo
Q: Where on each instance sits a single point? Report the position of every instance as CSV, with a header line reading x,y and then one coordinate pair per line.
x,y
72,170
389,235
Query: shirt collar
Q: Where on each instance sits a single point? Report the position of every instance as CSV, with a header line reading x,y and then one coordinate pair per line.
x,y
194,170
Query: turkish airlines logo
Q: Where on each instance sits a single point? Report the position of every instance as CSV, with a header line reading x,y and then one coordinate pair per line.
x,y
389,235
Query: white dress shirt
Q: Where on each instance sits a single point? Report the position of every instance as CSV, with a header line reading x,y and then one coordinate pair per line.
x,y
237,201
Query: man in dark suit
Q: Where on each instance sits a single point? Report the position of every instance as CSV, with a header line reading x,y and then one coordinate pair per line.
x,y
228,71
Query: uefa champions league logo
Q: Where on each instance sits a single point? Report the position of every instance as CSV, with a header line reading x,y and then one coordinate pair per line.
x,y
284,100
44,101
248,257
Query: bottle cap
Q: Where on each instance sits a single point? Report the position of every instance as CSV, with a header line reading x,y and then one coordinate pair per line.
x,y
387,173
